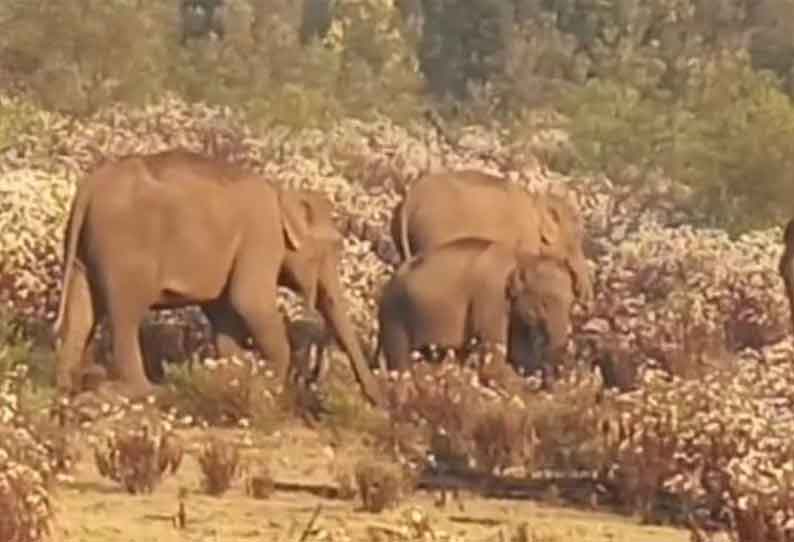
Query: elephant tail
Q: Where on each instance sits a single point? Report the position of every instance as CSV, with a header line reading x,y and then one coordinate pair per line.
x,y
74,225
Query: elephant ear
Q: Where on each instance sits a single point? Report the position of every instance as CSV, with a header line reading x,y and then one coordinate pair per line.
x,y
296,217
550,224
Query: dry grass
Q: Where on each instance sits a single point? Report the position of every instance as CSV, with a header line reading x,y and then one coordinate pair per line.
x,y
219,460
381,484
94,509
259,481
138,457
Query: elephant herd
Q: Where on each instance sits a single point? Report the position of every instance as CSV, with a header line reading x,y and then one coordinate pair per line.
x,y
483,260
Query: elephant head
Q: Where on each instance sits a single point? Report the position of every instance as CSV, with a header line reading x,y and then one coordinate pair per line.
x,y
786,267
562,236
540,294
314,246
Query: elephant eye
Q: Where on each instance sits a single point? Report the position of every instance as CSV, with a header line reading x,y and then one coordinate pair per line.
x,y
545,240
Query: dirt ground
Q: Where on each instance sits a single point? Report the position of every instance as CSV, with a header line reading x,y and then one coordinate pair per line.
x,y
92,508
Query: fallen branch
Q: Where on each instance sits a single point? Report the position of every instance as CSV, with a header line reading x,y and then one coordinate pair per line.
x,y
504,487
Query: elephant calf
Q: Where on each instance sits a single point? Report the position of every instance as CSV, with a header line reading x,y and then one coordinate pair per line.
x,y
474,288
309,339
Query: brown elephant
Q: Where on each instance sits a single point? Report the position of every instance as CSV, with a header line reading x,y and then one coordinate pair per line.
x,y
441,207
175,228
786,265
475,289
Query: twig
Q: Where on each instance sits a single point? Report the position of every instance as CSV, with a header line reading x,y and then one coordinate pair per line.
x,y
310,525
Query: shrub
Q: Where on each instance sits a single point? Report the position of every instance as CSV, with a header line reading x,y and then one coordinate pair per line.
x,y
500,429
728,138
259,481
82,55
719,444
18,117
381,484
683,300
219,460
27,469
138,456
25,506
226,392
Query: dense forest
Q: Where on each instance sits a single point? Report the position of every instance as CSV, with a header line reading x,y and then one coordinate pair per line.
x,y
692,90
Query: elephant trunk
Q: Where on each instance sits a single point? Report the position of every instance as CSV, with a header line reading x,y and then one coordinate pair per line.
x,y
558,322
332,306
526,345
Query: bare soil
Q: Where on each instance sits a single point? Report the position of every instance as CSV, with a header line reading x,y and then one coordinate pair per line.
x,y
92,508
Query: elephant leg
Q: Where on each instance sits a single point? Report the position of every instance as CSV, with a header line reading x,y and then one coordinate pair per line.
x,y
126,313
80,323
256,304
228,329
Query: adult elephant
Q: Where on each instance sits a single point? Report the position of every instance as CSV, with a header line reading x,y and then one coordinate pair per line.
x,y
175,228
441,207
478,289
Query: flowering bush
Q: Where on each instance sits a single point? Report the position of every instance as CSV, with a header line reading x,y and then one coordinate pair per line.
x,y
27,470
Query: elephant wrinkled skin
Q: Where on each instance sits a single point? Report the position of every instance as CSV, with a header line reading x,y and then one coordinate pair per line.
x,y
441,207
175,228
475,288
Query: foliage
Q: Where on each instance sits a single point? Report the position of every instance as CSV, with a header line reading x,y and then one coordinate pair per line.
x,y
506,423
85,54
219,460
728,138
28,466
720,442
139,456
670,86
381,484
226,392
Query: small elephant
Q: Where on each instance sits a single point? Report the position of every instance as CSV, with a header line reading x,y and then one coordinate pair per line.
x,y
201,18
309,339
444,206
475,289
175,228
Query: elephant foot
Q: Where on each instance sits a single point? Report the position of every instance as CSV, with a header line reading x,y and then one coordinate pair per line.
x,y
92,377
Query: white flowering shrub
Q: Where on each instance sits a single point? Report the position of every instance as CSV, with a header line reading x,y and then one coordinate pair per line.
x,y
504,423
683,300
226,392
27,470
722,443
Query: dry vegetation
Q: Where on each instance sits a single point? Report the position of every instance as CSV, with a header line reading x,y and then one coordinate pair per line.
x,y
689,325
